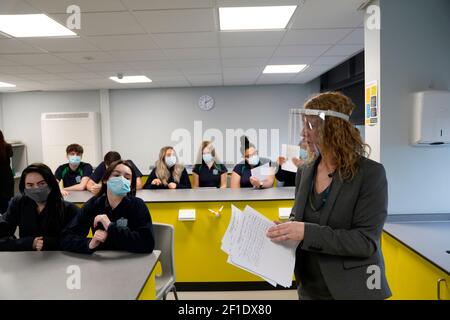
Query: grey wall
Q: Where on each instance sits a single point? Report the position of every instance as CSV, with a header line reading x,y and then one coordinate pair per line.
x,y
142,120
415,50
22,114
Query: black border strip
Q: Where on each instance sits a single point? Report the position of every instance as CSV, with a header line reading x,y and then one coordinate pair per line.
x,y
229,286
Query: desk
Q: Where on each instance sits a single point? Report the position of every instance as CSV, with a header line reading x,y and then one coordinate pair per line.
x,y
108,275
198,258
416,250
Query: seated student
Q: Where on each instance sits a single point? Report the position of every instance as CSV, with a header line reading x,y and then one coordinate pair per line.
x,y
94,184
207,172
39,212
75,174
242,175
288,177
168,172
119,220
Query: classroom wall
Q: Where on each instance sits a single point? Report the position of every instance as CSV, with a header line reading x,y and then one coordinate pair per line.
x,y
22,114
151,116
142,120
415,50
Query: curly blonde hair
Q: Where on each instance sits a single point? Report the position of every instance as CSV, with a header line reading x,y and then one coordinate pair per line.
x,y
339,138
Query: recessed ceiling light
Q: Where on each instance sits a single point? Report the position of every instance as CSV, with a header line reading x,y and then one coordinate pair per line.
x,y
6,85
32,25
255,18
284,68
131,79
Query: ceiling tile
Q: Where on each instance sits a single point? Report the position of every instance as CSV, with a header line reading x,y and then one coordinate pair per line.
x,y
124,42
244,72
105,23
41,76
86,57
167,4
247,52
344,50
150,65
116,67
187,40
173,84
140,55
16,7
244,62
301,51
191,20
19,69
61,68
328,14
292,60
314,37
355,37
60,6
61,44
193,53
79,75
16,46
33,59
329,61
250,38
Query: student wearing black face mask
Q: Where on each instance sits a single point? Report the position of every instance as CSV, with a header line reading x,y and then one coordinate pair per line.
x,y
39,212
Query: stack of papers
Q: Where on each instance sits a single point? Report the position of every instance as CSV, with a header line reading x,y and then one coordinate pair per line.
x,y
263,172
248,248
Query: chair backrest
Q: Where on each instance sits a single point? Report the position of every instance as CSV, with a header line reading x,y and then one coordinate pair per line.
x,y
164,240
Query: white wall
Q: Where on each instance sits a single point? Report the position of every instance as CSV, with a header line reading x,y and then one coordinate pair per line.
x,y
22,114
142,120
415,50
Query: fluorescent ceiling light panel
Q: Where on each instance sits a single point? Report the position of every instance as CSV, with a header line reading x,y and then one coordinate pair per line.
x,y
255,18
32,25
284,68
131,79
6,85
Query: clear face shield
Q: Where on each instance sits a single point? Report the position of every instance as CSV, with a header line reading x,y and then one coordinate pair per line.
x,y
306,126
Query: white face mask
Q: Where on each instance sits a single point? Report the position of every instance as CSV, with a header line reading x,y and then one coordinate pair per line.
x,y
170,161
253,160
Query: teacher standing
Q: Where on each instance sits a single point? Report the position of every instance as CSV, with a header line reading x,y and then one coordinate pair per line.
x,y
340,207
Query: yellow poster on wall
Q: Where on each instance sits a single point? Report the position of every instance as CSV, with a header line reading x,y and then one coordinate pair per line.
x,y
371,102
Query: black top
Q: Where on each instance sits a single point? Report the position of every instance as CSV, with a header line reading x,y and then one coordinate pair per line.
x,y
6,175
22,213
209,177
98,173
184,183
312,283
130,229
70,177
287,177
244,170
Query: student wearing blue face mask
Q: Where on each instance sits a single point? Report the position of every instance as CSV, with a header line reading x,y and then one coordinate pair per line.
x,y
119,220
168,172
287,177
242,175
74,174
208,172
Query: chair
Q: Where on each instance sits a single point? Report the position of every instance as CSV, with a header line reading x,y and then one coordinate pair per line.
x,y
164,240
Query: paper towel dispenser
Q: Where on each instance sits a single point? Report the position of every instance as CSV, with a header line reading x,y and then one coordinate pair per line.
x,y
431,118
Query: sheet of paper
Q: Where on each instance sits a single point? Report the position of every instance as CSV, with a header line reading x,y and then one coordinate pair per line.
x,y
263,172
227,239
290,151
230,261
252,250
288,165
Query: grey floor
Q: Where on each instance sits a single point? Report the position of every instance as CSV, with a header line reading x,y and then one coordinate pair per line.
x,y
237,295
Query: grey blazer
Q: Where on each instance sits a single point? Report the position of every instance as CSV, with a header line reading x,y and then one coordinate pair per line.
x,y
348,235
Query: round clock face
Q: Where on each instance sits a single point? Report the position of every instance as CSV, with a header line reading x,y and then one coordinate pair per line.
x,y
206,102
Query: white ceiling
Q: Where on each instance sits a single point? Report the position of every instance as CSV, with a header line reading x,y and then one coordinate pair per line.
x,y
176,43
